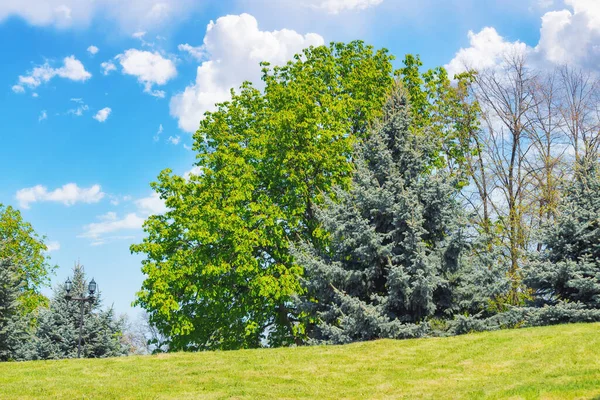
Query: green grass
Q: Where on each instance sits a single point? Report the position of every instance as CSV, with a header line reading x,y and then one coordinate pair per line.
x,y
559,362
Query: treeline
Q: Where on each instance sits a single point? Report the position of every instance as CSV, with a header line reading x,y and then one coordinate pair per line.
x,y
347,201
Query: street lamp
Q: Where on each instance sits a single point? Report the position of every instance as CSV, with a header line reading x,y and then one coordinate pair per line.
x,y
82,300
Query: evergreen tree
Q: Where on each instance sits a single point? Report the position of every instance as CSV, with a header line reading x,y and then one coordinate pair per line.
x,y
392,258
57,331
12,328
569,267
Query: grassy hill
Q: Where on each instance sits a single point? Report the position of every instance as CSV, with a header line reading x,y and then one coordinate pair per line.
x,y
559,362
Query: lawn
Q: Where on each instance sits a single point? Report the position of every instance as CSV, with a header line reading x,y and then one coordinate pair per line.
x,y
558,362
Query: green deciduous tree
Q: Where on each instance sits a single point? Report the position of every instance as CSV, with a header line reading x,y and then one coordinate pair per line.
x,y
218,269
392,259
443,112
26,250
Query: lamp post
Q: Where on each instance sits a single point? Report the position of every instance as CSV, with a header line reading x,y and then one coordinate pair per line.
x,y
82,300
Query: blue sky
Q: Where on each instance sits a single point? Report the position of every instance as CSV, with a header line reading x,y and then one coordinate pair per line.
x,y
97,98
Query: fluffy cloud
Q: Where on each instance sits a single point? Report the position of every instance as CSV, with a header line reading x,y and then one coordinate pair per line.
x,y
234,47
486,50
150,68
71,69
92,50
43,116
68,195
337,6
568,35
102,115
107,67
572,36
129,15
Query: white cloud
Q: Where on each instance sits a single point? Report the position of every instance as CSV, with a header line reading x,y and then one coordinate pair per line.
x,y
34,94
116,200
68,195
196,52
139,35
18,89
80,109
566,36
234,46
103,114
52,246
158,132
152,204
110,223
150,68
128,15
196,170
71,69
487,49
337,6
174,140
92,50
107,67
43,116
572,36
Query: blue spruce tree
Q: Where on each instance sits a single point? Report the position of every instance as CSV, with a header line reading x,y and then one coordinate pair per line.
x,y
391,261
57,330
13,327
568,270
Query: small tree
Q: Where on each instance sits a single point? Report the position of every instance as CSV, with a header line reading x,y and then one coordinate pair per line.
x,y
57,331
392,259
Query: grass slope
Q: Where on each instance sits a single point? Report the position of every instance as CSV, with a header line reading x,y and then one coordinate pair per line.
x,y
559,362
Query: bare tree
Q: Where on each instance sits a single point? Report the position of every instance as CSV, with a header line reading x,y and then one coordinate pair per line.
x,y
580,109
506,96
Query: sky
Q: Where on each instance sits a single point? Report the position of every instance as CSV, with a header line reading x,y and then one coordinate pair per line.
x,y
98,96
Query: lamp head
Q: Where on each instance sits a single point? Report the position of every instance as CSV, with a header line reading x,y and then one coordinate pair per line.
x,y
92,287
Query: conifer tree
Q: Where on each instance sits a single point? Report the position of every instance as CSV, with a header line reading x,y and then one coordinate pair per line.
x,y
12,329
392,258
57,330
568,270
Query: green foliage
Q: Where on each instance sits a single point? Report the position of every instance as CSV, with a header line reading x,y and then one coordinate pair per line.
x,y
219,274
26,250
392,261
569,267
57,330
443,113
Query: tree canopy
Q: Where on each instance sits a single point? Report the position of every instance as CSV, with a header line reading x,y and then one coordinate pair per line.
x,y
27,253
218,269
